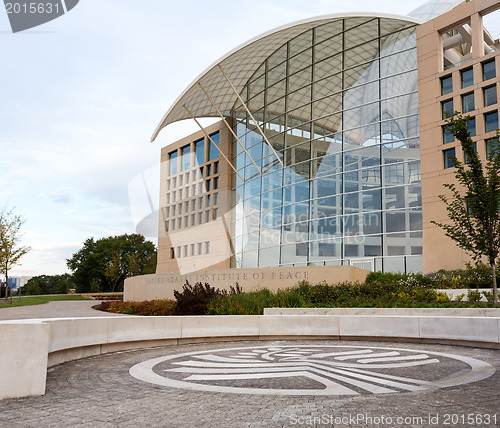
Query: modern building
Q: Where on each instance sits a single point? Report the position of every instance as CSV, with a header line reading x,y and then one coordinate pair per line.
x,y
331,149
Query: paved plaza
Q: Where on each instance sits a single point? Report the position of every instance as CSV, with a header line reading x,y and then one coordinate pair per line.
x,y
270,384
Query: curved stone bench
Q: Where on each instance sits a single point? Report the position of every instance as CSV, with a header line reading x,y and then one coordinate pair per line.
x,y
29,347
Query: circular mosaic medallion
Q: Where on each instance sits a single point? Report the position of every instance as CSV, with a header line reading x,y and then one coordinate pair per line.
x,y
312,370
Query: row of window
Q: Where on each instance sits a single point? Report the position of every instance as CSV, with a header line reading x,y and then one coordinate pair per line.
x,y
467,77
490,125
203,202
197,174
191,220
449,154
197,249
204,186
200,156
468,103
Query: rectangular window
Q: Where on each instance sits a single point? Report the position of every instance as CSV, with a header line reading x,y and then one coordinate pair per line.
x,y
467,77
199,150
490,95
172,253
173,210
489,71
180,194
200,248
216,167
192,249
193,219
448,154
201,172
468,102
208,200
174,181
492,146
446,85
216,183
200,218
207,216
193,204
186,206
185,250
216,198
216,213
180,208
471,126
167,212
207,247
173,163
186,158
186,221
200,203
166,225
180,180
447,136
208,185
178,251
187,192
213,152
168,184
209,170
168,198
491,121
172,224
447,108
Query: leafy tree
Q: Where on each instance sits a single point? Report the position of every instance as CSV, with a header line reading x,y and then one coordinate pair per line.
x,y
104,264
473,206
10,249
49,284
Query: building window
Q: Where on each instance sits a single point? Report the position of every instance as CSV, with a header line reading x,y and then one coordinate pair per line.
x,y
491,121
446,85
181,179
172,224
216,198
471,126
468,102
185,250
209,170
492,146
489,71
186,221
207,247
172,253
193,204
192,250
200,218
213,152
187,192
447,136
173,163
215,213
208,185
186,158
216,167
207,216
200,202
200,248
216,183
467,77
166,225
199,151
447,108
168,184
448,154
490,95
193,219
180,197
208,200
178,251
173,210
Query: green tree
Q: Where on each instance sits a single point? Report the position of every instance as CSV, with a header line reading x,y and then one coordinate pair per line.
x,y
473,206
10,249
107,262
49,284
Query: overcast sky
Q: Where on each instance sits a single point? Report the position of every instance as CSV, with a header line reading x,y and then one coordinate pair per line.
x,y
81,96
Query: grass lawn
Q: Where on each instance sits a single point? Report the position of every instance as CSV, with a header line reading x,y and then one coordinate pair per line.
x,y
38,300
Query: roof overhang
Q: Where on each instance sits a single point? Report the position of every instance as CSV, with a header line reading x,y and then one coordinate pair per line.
x,y
240,64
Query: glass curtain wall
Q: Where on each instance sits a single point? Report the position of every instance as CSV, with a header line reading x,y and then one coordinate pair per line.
x,y
339,105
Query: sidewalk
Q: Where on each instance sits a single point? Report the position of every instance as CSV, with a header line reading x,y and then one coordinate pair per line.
x,y
62,309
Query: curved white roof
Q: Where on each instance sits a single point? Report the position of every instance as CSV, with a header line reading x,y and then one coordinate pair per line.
x,y
242,62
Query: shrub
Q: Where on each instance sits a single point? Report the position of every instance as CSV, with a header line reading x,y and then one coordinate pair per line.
x,y
488,295
474,295
195,299
148,307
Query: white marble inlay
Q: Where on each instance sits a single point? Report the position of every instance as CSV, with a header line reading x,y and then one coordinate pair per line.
x,y
332,369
